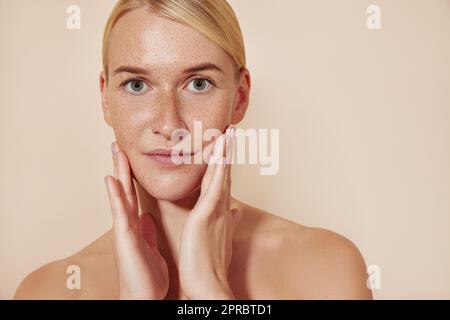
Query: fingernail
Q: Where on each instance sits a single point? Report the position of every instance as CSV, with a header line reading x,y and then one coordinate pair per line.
x,y
113,147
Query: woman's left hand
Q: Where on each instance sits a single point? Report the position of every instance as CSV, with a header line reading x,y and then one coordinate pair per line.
x,y
206,241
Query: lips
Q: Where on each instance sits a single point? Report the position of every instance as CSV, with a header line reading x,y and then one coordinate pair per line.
x,y
167,152
163,156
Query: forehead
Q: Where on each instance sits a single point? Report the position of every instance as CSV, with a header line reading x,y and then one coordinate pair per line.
x,y
142,38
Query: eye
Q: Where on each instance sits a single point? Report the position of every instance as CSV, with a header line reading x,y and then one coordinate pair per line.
x,y
135,86
199,85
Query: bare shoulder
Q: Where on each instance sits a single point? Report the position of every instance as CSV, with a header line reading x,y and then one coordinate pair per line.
x,y
46,282
308,262
325,265
83,275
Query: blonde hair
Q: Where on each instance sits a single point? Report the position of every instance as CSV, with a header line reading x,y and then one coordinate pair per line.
x,y
213,18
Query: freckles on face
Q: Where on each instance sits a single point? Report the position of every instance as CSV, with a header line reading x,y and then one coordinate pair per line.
x,y
160,51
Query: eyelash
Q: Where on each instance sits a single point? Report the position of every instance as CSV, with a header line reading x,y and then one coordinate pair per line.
x,y
124,83
203,78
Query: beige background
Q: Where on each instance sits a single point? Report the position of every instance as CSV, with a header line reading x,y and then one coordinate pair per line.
x,y
364,118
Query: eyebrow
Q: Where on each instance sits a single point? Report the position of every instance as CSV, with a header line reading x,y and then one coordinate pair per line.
x,y
196,68
204,66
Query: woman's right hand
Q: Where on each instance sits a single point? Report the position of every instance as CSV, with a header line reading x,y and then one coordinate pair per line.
x,y
142,271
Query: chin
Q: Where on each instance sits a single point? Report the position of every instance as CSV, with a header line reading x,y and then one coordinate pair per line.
x,y
173,184
171,193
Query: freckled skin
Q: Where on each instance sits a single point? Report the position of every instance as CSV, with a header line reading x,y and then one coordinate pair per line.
x,y
273,258
145,121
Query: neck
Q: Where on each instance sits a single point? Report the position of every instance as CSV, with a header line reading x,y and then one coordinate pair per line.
x,y
169,217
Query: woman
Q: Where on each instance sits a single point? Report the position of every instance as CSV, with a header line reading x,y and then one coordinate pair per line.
x,y
177,232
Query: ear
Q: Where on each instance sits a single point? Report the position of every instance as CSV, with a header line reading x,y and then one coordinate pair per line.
x,y
242,97
106,112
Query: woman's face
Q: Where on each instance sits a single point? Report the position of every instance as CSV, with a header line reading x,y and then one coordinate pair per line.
x,y
150,92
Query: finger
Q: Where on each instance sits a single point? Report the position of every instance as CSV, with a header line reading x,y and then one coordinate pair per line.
x,y
120,217
215,188
226,186
229,156
216,149
208,152
124,176
235,216
209,169
229,148
148,228
219,146
220,179
113,151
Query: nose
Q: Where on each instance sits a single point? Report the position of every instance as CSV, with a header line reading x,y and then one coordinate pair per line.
x,y
167,115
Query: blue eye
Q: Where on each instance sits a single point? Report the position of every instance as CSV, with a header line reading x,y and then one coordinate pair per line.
x,y
135,86
199,85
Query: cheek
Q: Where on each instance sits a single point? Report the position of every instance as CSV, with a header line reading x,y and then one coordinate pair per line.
x,y
132,118
213,112
128,119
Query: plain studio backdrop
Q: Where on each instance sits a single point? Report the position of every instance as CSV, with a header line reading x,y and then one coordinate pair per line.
x,y
364,120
